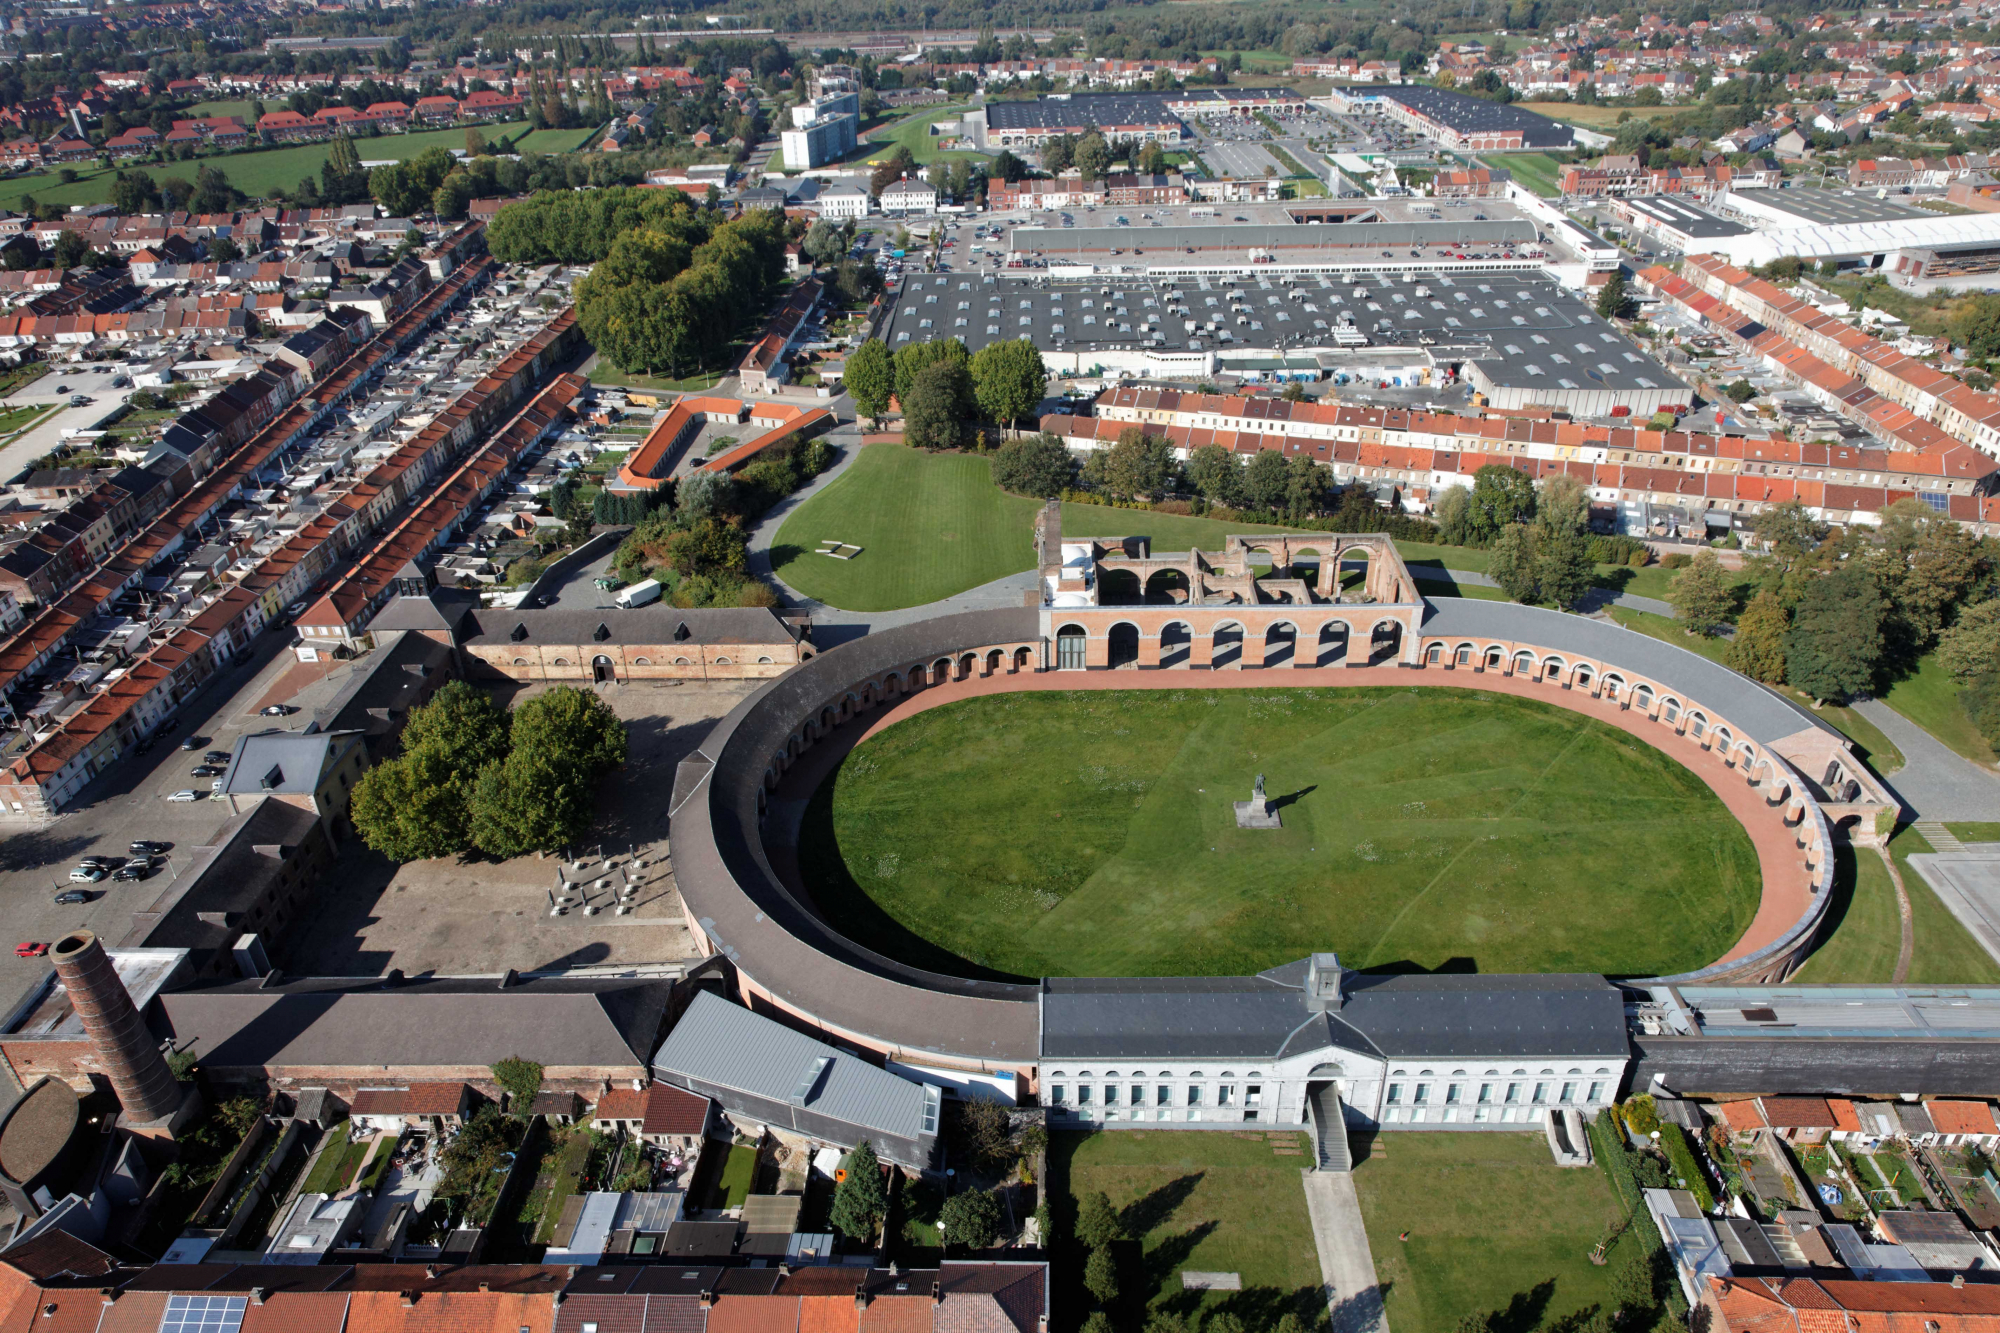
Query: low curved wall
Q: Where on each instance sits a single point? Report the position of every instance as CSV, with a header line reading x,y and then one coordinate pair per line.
x,y
1712,720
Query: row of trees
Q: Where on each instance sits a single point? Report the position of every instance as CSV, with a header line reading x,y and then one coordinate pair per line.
x,y
942,388
471,777
1839,613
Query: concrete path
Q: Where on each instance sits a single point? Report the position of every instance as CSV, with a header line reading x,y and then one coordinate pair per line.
x,y
1935,782
1353,1298
1967,882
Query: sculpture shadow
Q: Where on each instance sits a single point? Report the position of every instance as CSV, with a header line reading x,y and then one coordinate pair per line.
x,y
1293,799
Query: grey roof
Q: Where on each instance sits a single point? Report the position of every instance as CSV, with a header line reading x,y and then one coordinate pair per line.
x,y
1685,218
1774,1065
1414,1016
1166,241
370,1024
1470,114
1834,208
1765,716
222,880
281,763
374,694
657,623
1494,318
724,1045
727,882
439,611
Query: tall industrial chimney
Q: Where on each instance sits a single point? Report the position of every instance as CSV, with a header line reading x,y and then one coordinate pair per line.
x,y
146,1088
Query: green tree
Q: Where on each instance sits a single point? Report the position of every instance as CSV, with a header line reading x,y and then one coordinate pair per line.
x,y
1836,636
417,806
1100,1275
1453,512
970,1218
1500,495
1971,647
222,250
543,795
1739,391
1563,567
69,249
1635,1289
870,378
1097,1223
1613,298
935,409
520,1080
1306,484
1700,595
1513,564
1216,474
1758,649
1093,156
1926,563
1479,1321
1097,1322
1975,325
1009,379
1137,465
825,242
1790,532
1265,479
913,360
860,1201
1039,466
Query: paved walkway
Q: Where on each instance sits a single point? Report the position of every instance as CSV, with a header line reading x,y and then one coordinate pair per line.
x,y
1596,599
1935,782
1353,1298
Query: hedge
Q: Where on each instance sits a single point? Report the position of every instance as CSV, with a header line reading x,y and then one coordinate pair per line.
x,y
1686,1168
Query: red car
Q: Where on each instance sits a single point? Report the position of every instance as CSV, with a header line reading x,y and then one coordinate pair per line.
x,y
30,949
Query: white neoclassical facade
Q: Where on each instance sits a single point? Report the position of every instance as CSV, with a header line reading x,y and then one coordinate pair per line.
x,y
1402,1052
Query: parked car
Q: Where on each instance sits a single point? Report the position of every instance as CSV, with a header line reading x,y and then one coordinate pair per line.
x,y
30,949
86,874
147,847
98,862
194,743
208,771
279,710
70,897
216,757
132,874
185,795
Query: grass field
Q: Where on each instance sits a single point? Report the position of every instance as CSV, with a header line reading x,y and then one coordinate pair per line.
x,y
1970,831
555,141
914,133
1929,698
1604,118
1862,936
1422,829
238,109
931,525
1205,1201
258,171
334,1168
604,373
1494,1226
1538,171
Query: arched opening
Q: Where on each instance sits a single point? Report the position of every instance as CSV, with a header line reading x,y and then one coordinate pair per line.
x,y
1434,655
1494,657
1582,678
1280,642
1670,710
1118,587
1024,659
1385,641
1524,663
1552,670
1228,649
1332,642
1463,657
1166,586
1122,645
1613,685
1355,566
1305,564
941,671
993,661
1072,646
1176,644
1642,699
967,665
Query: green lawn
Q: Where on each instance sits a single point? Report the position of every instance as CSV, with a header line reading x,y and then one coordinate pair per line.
x,y
1197,1200
1946,953
240,110
255,171
334,1168
1929,698
607,374
932,525
1969,831
1537,171
732,1186
555,141
1426,829
1494,1226
1604,118
1862,936
914,133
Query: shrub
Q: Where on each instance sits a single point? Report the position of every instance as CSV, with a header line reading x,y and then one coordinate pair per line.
x,y
1686,1168
971,1219
1677,560
1981,701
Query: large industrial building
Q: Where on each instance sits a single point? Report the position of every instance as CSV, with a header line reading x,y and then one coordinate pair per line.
x,y
1140,117
1519,338
1465,124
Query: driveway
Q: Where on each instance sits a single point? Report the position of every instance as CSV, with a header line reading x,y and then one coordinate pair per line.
x,y
1935,782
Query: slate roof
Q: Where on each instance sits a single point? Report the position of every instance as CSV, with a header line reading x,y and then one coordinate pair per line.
x,y
1472,115
658,623
1384,1016
274,763
368,1024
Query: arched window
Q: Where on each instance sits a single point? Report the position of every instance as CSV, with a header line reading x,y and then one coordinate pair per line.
x,y
1434,655
520,661
1642,698
722,661
642,661
1071,648
1465,654
1552,667
562,661
1524,661
1612,684
1583,676
763,661
1670,711
680,661
1697,725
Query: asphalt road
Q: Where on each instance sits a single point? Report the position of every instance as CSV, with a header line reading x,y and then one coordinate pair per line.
x,y
93,382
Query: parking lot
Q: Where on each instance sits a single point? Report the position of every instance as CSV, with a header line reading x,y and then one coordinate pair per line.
x,y
130,802
54,389
1241,160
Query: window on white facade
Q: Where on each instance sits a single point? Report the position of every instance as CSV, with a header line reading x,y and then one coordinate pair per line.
x,y
1395,1094
1513,1093
1541,1093
1056,1093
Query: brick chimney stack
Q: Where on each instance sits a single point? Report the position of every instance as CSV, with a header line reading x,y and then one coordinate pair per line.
x,y
146,1088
